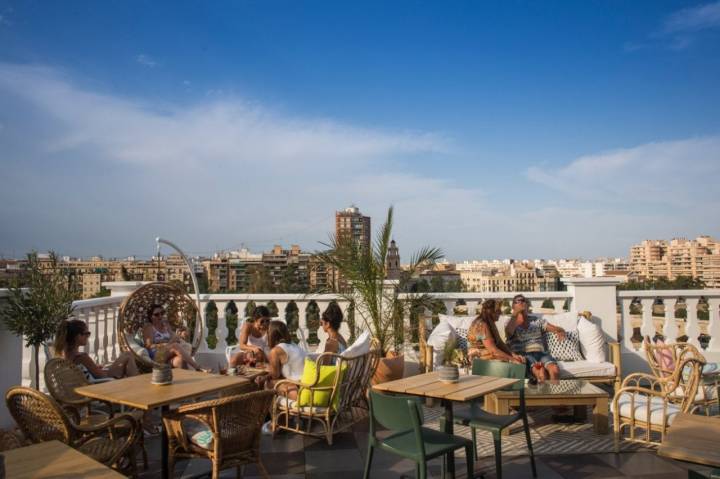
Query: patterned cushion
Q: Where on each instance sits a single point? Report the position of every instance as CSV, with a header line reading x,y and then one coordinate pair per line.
x,y
567,350
198,433
462,341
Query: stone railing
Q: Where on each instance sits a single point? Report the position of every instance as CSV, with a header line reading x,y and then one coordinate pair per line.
x,y
615,310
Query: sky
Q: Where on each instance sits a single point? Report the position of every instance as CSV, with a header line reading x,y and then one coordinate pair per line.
x,y
500,129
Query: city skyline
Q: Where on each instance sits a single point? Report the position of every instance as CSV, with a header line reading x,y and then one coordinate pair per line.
x,y
495,130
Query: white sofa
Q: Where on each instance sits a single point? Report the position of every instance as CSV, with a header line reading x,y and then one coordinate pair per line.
x,y
601,364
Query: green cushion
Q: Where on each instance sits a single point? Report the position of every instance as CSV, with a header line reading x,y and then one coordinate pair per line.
x,y
326,379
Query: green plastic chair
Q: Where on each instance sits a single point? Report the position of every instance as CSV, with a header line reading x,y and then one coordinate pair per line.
x,y
714,474
403,416
477,418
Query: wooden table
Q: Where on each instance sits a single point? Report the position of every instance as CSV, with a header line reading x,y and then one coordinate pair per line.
x,y
138,392
53,459
562,392
429,385
693,438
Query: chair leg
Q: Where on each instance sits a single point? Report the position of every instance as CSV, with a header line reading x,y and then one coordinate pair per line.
x,y
469,460
498,454
421,470
262,469
473,432
526,426
368,461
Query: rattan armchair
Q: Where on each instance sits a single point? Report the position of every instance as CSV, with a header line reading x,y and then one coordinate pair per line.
x,y
347,393
40,418
181,310
61,379
231,427
650,403
709,388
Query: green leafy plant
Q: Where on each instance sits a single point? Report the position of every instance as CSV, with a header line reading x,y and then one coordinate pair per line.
x,y
36,310
377,304
452,355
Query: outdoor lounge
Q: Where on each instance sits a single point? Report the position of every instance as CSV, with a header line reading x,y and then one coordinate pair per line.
x,y
316,441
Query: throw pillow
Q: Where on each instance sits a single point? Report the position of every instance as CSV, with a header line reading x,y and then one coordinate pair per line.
x,y
359,347
567,350
592,340
461,336
442,333
664,357
326,379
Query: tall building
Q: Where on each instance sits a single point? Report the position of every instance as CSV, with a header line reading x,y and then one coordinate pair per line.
x,y
698,258
350,224
392,262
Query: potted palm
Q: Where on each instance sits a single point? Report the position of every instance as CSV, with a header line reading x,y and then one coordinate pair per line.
x,y
452,359
377,305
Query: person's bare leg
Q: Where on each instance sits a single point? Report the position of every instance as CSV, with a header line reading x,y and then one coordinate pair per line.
x,y
123,366
236,359
554,371
187,358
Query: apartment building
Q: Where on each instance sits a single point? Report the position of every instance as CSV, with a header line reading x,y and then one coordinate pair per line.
x,y
698,258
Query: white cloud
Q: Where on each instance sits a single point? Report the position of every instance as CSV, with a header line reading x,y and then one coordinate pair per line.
x,y
693,19
146,60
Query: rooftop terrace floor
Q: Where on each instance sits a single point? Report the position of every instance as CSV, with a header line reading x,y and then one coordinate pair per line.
x,y
291,456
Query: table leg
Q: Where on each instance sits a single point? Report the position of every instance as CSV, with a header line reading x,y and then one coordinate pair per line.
x,y
580,413
502,408
600,416
164,444
449,429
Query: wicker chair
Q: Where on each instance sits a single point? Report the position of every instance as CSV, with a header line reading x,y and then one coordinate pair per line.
x,y
225,430
40,418
61,379
709,389
181,310
347,393
650,403
9,440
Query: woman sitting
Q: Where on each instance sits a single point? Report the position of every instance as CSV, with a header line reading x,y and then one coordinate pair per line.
x,y
72,335
159,336
253,338
287,359
484,340
330,323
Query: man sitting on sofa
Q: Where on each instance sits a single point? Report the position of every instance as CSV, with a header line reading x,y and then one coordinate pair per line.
x,y
524,336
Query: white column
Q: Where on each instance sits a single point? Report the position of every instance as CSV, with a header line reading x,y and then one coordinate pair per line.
x,y
559,305
599,296
626,322
449,306
303,332
203,347
692,328
647,329
281,310
473,308
670,329
221,331
714,325
345,327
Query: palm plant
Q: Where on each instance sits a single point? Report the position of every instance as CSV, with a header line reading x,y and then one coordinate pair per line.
x,y
364,268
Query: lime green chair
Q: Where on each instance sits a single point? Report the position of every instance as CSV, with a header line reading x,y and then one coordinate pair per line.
x,y
403,416
477,418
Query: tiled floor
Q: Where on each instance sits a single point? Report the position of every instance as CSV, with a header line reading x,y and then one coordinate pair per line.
x,y
291,456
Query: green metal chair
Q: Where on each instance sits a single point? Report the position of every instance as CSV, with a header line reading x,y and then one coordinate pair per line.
x,y
477,418
403,416
714,474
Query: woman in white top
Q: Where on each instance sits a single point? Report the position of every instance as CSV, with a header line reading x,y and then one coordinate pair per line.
x,y
157,335
287,359
253,338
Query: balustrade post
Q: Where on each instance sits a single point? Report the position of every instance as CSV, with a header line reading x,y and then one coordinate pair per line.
x,y
303,331
647,329
558,305
221,331
714,325
692,328
670,329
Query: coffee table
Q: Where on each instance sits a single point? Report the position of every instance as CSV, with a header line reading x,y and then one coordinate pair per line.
x,y
578,393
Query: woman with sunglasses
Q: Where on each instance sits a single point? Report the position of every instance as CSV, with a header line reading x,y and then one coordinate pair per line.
x,y
74,334
158,335
253,338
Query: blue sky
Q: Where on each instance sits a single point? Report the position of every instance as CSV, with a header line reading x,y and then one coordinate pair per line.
x,y
504,129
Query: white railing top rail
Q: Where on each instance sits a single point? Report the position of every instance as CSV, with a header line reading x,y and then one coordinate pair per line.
x,y
492,295
270,297
669,293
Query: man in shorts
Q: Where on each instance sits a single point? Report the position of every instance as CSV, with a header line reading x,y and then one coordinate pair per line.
x,y
524,333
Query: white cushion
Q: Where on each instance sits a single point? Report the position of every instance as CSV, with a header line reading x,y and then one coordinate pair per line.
x,y
585,369
291,404
439,337
198,433
641,409
568,320
359,347
138,349
456,321
592,340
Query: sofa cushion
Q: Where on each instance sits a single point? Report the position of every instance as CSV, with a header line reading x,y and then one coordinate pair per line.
x,y
592,340
564,350
456,322
359,347
441,334
585,369
566,320
640,411
198,433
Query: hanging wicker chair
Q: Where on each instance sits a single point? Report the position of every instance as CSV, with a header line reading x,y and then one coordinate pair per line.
x,y
181,310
